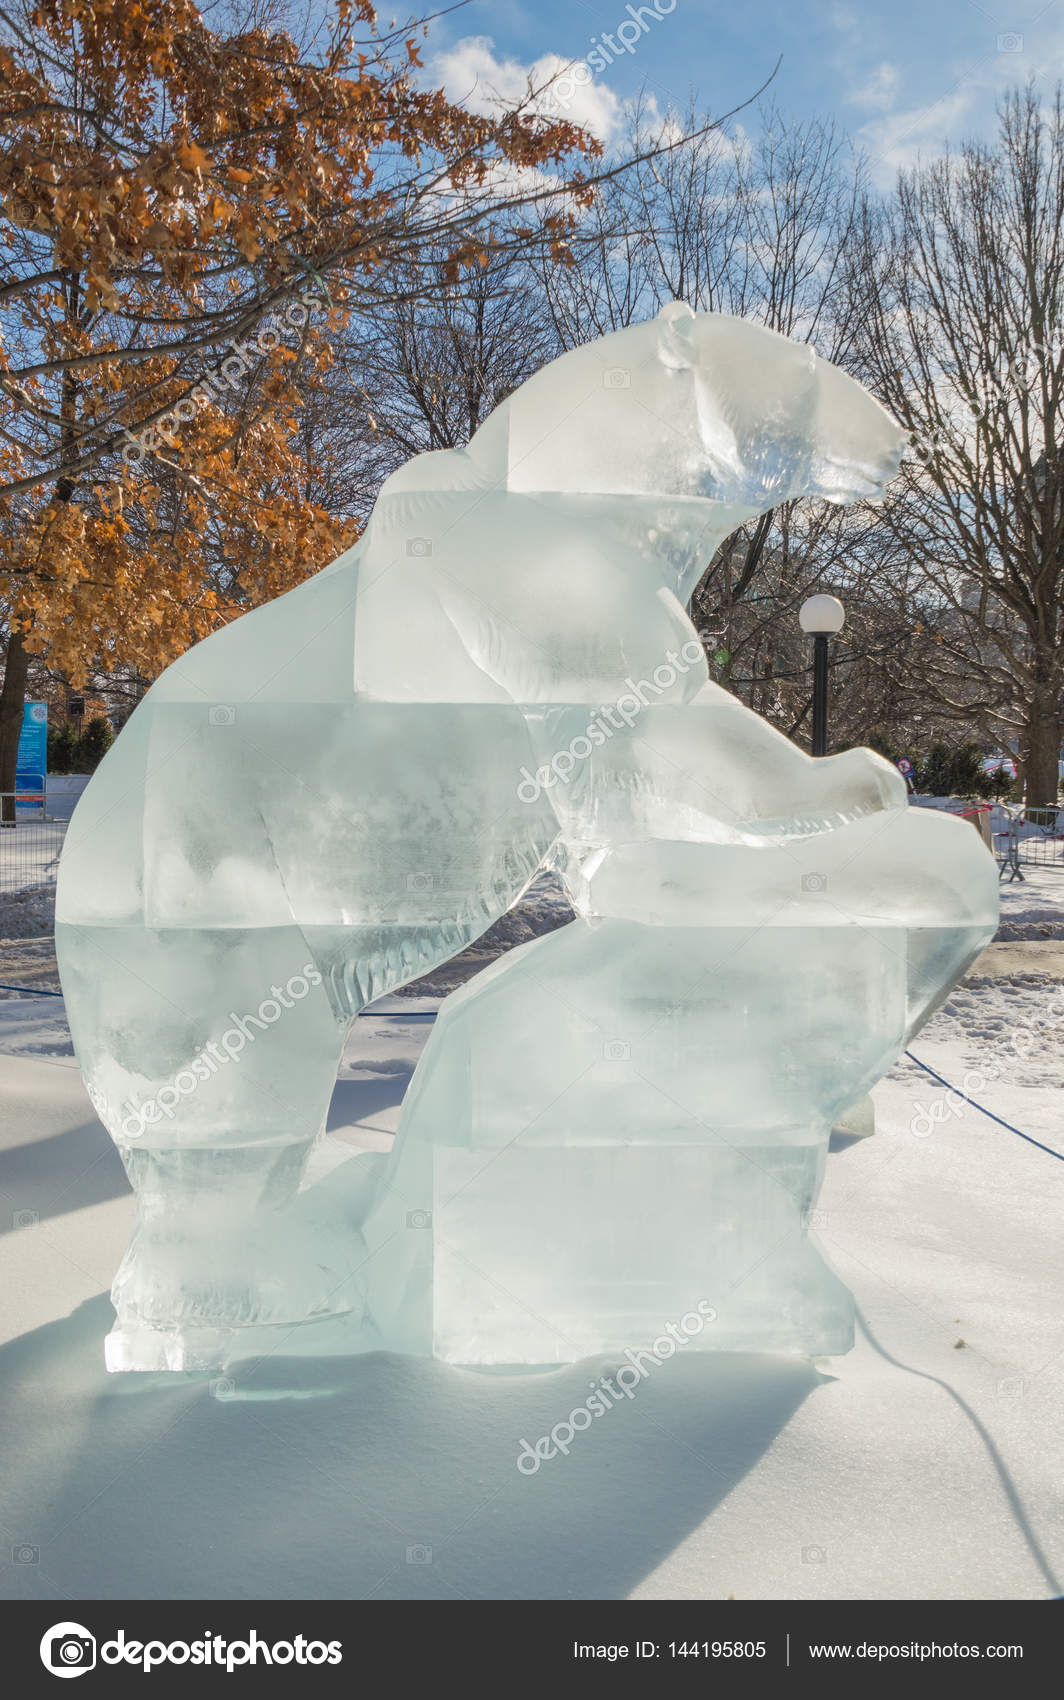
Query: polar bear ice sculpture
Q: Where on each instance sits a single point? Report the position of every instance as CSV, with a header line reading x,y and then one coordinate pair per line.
x,y
320,802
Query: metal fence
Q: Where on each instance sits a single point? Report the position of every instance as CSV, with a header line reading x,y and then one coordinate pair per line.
x,y
30,842
1028,837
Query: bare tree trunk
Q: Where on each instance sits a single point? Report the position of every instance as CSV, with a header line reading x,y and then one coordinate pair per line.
x,y
1043,749
12,700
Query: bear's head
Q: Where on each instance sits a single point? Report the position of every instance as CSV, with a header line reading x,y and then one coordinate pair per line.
x,y
693,405
563,542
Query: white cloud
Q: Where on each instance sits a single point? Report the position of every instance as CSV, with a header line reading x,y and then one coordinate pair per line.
x,y
843,19
895,143
880,91
967,108
472,74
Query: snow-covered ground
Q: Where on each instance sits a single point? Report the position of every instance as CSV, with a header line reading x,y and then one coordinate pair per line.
x,y
926,1464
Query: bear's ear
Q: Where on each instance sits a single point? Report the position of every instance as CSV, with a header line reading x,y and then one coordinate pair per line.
x,y
676,336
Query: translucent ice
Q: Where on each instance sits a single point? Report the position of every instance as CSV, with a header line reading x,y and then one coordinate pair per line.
x,y
340,790
629,1117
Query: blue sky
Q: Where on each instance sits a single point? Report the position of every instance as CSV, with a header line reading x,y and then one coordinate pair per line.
x,y
900,77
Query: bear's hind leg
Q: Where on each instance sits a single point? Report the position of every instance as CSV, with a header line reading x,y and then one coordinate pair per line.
x,y
210,1056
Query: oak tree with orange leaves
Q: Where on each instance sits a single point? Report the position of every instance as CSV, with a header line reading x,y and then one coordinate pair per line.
x,y
186,215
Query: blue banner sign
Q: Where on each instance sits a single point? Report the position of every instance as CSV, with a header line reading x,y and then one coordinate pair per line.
x,y
32,763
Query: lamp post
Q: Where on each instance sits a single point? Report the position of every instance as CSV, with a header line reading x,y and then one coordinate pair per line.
x,y
821,616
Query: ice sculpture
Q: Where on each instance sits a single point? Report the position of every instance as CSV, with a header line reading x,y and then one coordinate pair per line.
x,y
340,790
628,1119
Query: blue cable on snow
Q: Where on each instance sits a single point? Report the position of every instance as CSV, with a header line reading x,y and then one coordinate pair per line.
x,y
929,1070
